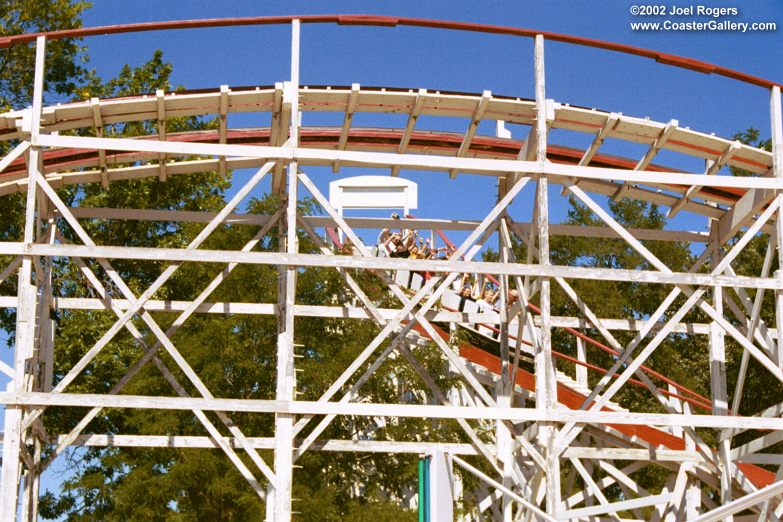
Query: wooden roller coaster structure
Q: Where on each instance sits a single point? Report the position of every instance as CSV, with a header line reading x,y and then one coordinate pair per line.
x,y
540,416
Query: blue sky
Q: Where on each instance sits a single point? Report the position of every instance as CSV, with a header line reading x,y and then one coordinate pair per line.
x,y
437,59
449,60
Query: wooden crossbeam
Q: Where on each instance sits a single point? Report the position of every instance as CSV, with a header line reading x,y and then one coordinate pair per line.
x,y
160,97
97,124
609,125
406,135
350,107
659,142
281,123
712,170
478,113
611,122
742,212
223,124
528,150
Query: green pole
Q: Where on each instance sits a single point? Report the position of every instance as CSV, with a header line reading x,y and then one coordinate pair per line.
x,y
427,489
422,493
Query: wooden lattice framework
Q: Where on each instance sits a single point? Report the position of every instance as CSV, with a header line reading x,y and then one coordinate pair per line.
x,y
530,442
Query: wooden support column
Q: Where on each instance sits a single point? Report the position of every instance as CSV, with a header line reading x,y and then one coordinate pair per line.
x,y
25,313
406,135
284,423
223,124
160,97
546,389
97,124
581,355
504,384
720,404
776,114
776,117
42,361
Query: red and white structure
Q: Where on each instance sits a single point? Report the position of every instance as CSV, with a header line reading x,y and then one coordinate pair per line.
x,y
542,418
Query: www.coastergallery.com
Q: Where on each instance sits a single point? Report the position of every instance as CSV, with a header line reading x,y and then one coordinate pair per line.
x,y
711,25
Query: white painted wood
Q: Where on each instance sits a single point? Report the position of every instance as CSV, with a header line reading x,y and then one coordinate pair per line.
x,y
412,118
15,153
350,108
754,322
712,169
90,245
528,505
491,167
140,364
161,106
616,506
223,124
478,114
286,376
24,343
735,506
35,399
776,116
377,223
718,375
222,103
653,453
515,111
441,487
219,256
11,441
377,192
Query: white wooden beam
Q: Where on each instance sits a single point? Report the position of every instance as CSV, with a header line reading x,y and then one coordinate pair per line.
x,y
492,167
611,122
24,342
735,506
527,504
286,296
412,119
712,170
350,108
98,127
436,266
160,98
643,163
379,223
776,123
478,114
225,94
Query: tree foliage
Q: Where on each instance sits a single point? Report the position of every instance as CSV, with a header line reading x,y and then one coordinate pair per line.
x,y
65,59
235,354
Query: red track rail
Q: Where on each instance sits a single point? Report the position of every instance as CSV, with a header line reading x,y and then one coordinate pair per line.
x,y
760,477
393,21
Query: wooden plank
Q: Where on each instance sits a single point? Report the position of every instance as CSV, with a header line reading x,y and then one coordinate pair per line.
x,y
161,107
478,114
350,107
97,123
616,507
379,223
726,510
660,141
436,266
69,116
24,342
225,93
492,167
412,119
712,170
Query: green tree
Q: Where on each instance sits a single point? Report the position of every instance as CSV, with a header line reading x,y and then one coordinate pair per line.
x,y
64,58
235,357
